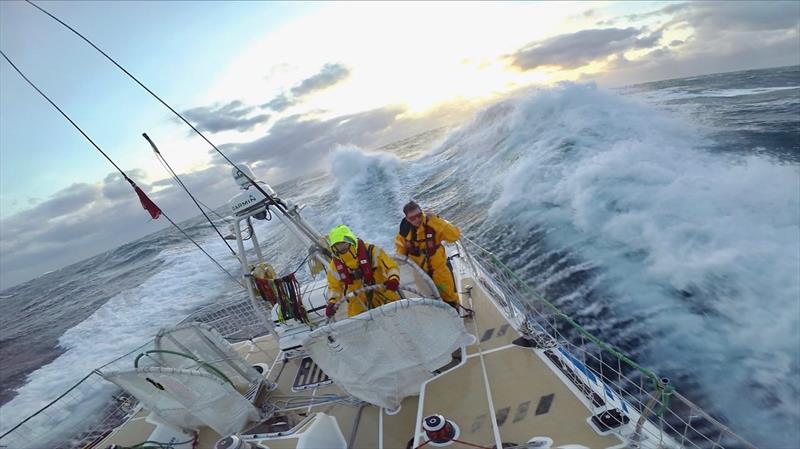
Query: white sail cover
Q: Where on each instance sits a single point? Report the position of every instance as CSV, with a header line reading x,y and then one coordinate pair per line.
x,y
383,355
188,399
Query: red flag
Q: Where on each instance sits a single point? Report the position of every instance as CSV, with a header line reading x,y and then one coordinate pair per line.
x,y
147,203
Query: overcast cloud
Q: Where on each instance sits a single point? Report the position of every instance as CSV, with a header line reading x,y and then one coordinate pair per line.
x,y
231,116
570,51
85,219
329,75
724,36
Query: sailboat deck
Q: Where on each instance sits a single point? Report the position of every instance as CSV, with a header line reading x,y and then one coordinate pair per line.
x,y
499,392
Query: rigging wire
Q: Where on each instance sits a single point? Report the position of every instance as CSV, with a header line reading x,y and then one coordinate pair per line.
x,y
272,200
124,175
186,189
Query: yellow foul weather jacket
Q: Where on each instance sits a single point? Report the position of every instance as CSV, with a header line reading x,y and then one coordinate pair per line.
x,y
383,267
415,245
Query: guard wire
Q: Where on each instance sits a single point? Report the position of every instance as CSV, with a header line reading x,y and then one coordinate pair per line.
x,y
124,175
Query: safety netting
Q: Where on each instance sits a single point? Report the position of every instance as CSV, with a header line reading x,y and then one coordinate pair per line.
x,y
188,399
383,355
197,345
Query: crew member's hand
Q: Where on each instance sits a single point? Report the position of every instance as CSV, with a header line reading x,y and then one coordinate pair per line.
x,y
392,284
330,309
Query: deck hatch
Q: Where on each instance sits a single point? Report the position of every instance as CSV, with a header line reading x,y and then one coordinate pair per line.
x,y
544,404
522,411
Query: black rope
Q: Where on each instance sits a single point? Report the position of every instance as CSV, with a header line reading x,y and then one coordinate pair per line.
x,y
208,209
274,201
112,162
66,117
186,189
301,263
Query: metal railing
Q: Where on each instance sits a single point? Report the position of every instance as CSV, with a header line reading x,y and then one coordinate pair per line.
x,y
655,415
81,416
658,416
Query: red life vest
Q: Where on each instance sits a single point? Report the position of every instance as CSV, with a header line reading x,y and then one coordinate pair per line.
x,y
364,266
430,242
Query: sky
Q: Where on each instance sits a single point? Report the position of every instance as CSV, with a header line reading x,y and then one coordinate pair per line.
x,y
279,85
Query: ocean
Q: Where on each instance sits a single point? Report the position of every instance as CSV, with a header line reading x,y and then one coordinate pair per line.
x,y
664,217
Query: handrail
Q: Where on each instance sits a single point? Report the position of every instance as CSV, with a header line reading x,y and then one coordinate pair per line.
x,y
537,296
658,402
366,289
78,383
199,362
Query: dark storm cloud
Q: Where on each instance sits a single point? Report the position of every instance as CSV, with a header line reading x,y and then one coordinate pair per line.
x,y
224,118
574,50
330,75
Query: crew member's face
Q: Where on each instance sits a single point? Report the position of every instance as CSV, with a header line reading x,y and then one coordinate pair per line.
x,y
414,217
341,247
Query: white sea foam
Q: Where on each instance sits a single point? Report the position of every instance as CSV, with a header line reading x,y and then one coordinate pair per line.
x,y
127,320
627,187
369,193
614,180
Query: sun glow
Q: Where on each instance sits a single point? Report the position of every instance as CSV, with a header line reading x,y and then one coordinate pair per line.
x,y
417,55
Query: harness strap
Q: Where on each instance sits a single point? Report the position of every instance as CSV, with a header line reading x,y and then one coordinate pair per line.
x,y
430,244
364,271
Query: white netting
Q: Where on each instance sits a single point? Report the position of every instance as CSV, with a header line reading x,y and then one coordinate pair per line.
x,y
188,399
205,344
411,275
383,355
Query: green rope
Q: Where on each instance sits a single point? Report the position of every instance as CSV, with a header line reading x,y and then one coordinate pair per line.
x,y
199,362
602,345
666,394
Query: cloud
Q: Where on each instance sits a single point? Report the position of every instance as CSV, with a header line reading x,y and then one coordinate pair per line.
x,y
231,116
114,186
279,104
329,75
720,37
85,219
730,16
570,51
301,142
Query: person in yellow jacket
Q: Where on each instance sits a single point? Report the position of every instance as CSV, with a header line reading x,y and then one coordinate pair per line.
x,y
420,238
356,264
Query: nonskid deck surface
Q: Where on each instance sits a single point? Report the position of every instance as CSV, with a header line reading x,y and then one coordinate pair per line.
x,y
498,392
